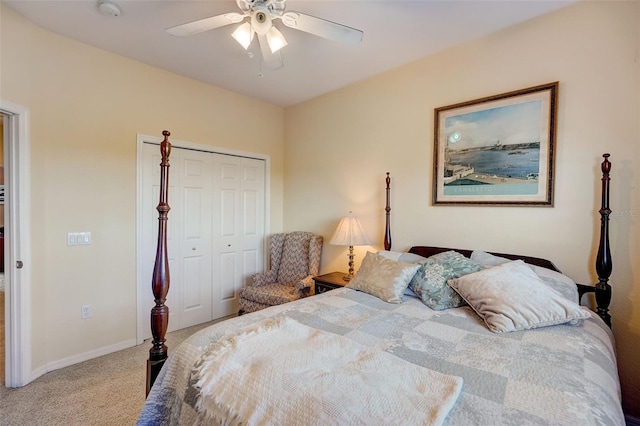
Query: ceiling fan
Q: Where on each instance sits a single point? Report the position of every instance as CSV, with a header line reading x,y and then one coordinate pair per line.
x,y
259,17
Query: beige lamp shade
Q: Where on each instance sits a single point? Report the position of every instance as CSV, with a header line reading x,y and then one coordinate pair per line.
x,y
349,233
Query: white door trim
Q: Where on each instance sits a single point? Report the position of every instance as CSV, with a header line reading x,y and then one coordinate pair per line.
x,y
141,326
17,244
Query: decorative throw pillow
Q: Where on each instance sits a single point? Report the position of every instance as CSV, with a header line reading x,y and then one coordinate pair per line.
x,y
383,278
430,282
511,297
559,282
487,259
402,257
554,279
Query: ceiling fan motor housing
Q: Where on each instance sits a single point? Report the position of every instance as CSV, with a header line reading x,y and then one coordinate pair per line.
x,y
260,20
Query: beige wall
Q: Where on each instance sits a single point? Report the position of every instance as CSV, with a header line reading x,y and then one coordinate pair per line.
x,y
86,107
339,146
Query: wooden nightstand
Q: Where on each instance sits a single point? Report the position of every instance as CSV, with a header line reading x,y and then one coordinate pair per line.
x,y
329,281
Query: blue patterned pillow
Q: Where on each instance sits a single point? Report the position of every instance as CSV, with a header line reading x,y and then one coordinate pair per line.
x,y
430,282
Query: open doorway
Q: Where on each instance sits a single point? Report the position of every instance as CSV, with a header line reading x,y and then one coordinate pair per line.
x,y
2,298
17,246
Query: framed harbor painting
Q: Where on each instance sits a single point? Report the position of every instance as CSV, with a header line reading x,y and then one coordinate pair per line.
x,y
497,150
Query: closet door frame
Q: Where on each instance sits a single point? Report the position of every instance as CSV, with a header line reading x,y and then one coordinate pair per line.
x,y
142,322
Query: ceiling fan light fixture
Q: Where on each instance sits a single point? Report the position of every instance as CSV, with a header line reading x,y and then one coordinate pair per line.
x,y
243,35
275,40
261,15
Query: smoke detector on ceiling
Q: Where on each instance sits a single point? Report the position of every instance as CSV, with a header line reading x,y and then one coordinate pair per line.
x,y
109,9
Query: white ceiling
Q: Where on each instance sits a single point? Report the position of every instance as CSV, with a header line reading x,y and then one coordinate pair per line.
x,y
396,32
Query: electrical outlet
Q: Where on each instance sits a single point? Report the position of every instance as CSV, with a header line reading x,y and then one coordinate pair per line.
x,y
85,311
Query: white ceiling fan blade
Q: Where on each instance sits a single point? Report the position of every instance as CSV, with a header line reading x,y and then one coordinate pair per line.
x,y
271,60
321,27
205,24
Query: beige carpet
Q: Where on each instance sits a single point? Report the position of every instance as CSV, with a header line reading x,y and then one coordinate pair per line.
x,y
109,390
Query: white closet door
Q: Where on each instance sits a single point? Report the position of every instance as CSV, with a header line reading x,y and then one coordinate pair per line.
x,y
238,228
192,279
149,201
253,217
189,238
148,235
215,233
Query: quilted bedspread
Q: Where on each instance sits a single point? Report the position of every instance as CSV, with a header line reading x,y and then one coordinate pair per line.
x,y
316,377
563,374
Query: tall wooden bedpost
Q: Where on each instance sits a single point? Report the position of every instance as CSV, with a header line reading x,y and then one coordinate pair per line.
x,y
604,264
161,280
387,209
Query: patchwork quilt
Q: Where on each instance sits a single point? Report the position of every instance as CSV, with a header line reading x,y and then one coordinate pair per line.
x,y
562,374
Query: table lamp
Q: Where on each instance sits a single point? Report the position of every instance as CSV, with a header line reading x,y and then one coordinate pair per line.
x,y
349,233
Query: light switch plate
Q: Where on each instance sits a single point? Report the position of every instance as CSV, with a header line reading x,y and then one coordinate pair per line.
x,y
78,238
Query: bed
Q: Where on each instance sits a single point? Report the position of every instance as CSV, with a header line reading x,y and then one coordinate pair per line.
x,y
375,354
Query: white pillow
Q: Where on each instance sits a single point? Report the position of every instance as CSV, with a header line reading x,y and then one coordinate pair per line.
x,y
557,281
393,255
402,257
384,278
511,297
487,259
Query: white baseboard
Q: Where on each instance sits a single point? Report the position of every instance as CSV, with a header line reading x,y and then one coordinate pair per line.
x,y
105,350
85,356
40,371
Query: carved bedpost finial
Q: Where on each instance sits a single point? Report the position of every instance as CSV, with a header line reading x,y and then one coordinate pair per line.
x,y
165,148
606,164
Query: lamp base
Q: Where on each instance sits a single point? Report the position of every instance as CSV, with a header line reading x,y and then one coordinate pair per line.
x,y
350,275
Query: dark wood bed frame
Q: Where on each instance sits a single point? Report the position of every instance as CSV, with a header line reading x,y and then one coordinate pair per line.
x,y
161,279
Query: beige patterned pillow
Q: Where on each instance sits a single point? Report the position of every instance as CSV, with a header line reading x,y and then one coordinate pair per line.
x,y
511,297
553,279
384,278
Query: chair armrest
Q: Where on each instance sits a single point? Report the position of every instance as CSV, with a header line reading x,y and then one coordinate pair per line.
x,y
304,285
262,278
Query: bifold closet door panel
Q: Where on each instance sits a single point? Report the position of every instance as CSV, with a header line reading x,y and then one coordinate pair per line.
x,y
239,200
194,281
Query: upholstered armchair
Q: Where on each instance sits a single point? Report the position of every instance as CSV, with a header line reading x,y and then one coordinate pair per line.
x,y
295,259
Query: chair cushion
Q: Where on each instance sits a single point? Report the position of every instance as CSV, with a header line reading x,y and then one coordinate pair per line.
x,y
295,258
270,294
248,306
